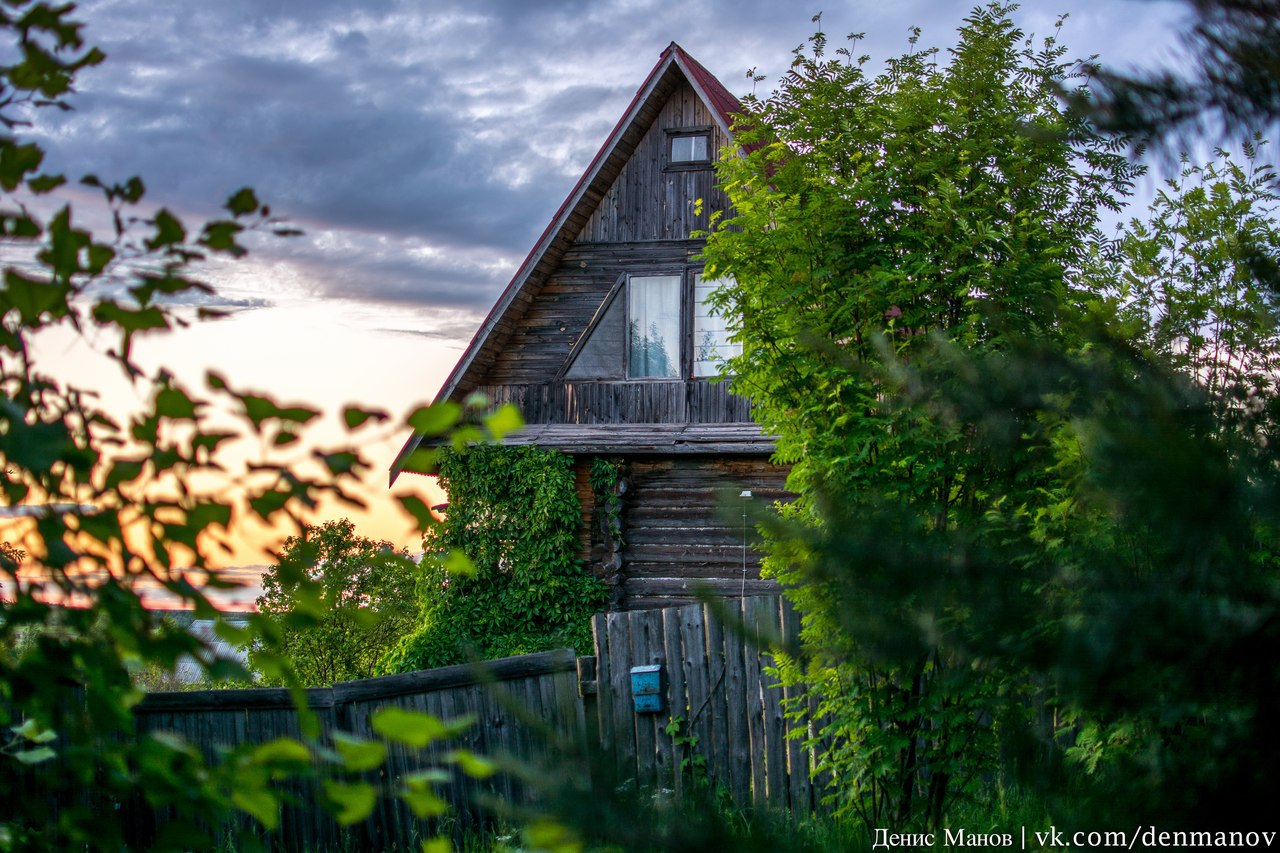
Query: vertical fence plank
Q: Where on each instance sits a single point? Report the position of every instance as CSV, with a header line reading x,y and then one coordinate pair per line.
x,y
620,697
646,648
753,694
715,714
735,685
775,724
696,666
676,693
798,754
602,758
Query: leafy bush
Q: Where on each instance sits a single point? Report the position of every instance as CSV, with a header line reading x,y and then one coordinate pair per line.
x,y
502,575
1037,529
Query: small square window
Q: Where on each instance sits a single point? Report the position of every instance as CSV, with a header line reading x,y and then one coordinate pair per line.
x,y
690,149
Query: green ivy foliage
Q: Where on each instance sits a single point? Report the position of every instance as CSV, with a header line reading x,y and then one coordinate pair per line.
x,y
502,575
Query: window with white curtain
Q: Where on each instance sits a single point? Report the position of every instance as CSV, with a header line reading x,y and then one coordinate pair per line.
x,y
653,327
711,344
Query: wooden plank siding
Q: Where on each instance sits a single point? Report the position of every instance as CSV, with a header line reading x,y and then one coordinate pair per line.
x,y
698,401
541,338
648,201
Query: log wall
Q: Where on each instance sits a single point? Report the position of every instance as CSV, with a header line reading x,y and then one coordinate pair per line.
x,y
683,528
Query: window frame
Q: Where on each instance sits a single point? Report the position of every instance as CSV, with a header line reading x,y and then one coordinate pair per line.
x,y
621,289
670,164
682,323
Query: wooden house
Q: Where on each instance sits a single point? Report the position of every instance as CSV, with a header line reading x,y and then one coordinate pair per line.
x,y
603,341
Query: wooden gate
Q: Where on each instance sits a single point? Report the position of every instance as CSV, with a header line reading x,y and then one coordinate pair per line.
x,y
721,702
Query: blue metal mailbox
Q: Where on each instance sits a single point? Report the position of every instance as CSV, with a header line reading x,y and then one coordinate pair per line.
x,y
646,688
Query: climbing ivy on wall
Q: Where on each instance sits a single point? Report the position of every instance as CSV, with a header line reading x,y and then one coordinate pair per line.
x,y
521,587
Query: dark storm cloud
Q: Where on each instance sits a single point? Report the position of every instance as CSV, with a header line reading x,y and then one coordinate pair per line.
x,y
422,147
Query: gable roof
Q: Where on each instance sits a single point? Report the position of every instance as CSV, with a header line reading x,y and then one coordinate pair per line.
x,y
674,66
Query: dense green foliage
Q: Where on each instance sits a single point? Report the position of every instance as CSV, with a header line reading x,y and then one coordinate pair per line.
x,y
502,575
1037,507
339,603
875,218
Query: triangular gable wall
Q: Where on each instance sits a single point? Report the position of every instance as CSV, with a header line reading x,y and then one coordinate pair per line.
x,y
674,68
678,92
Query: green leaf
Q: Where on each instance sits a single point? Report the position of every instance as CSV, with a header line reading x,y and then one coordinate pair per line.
x,y
221,237
418,508
33,297
260,802
423,802
175,404
281,751
343,462
112,314
169,230
506,420
457,563
472,764
412,728
355,800
34,756
359,755
436,419
45,183
354,416
242,202
16,161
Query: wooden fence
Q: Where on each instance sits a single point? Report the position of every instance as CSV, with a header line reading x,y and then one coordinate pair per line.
x,y
720,705
519,705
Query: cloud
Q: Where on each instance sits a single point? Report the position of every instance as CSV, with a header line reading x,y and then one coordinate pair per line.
x,y
434,140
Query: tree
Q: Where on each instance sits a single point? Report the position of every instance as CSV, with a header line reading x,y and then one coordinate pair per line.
x,y
1193,280
876,217
1038,503
360,600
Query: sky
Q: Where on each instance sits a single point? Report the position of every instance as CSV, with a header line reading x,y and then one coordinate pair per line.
x,y
421,147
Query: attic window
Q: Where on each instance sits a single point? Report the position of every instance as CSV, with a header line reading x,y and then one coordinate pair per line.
x,y
689,147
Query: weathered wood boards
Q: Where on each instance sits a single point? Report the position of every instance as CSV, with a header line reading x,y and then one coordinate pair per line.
x,y
723,722
722,701
524,709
